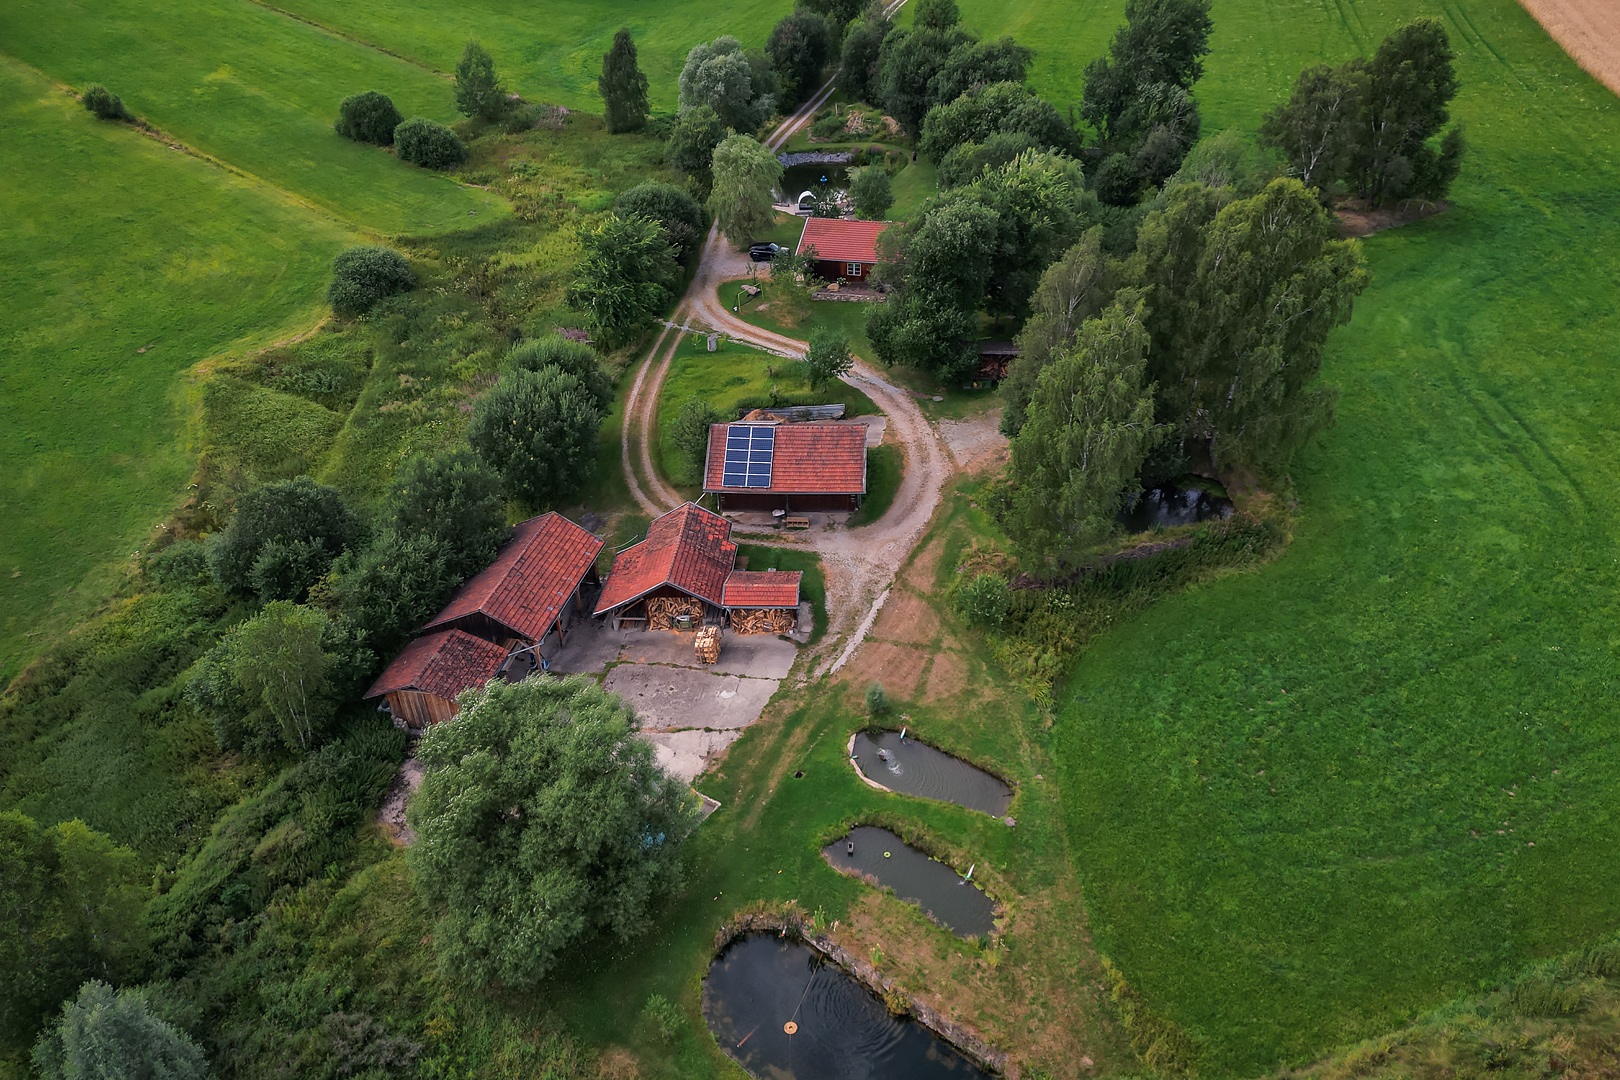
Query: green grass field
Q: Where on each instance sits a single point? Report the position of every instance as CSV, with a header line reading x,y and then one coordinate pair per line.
x,y
553,55
257,90
1284,871
123,263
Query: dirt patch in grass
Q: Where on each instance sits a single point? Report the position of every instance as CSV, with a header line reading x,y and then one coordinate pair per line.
x,y
907,619
947,678
898,667
1356,218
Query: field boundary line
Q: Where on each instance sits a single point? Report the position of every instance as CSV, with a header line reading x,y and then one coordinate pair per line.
x,y
146,129
362,42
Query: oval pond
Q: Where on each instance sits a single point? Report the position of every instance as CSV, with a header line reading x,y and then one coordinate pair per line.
x,y
961,908
914,768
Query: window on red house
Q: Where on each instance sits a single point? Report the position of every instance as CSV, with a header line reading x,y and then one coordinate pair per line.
x,y
852,269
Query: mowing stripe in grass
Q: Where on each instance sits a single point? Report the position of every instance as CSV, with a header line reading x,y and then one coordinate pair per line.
x,y
122,263
257,90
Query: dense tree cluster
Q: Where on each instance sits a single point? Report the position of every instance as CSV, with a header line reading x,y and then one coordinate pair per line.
x,y
625,274
799,47
1139,97
281,540
542,820
979,246
697,131
741,89
1370,125
674,209
108,1035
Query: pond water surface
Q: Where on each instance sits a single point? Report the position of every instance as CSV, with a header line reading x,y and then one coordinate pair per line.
x,y
915,768
1178,502
801,178
963,909
761,982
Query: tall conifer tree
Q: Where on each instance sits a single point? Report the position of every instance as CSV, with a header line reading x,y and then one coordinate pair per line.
x,y
623,86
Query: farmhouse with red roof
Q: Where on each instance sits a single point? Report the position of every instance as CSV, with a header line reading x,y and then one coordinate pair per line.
x,y
845,250
530,590
795,468
684,574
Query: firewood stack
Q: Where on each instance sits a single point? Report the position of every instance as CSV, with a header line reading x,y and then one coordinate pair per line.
x,y
707,645
763,621
661,611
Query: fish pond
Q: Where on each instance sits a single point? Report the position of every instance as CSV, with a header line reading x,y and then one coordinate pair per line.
x,y
913,768
1186,501
781,1010
961,907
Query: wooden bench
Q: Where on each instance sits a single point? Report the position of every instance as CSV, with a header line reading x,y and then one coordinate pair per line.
x,y
795,523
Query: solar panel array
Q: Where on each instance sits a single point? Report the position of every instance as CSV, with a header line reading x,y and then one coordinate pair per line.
x,y
749,448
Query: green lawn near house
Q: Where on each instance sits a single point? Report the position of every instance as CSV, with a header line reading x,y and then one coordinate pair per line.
x,y
883,469
734,377
1303,801
257,90
122,264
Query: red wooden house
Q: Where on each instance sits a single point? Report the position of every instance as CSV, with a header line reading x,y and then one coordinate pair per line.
x,y
845,250
795,468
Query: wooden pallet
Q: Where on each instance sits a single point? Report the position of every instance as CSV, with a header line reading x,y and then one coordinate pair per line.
x,y
707,645
795,523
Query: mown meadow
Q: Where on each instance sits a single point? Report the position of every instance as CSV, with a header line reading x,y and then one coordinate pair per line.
x,y
123,263
1309,803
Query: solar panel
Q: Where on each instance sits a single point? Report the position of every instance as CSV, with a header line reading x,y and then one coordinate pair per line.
x,y
749,450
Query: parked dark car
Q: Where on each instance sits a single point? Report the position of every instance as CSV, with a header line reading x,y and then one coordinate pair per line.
x,y
763,252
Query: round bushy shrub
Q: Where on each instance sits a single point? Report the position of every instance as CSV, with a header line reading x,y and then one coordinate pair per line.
x,y
361,276
369,117
105,104
985,601
433,146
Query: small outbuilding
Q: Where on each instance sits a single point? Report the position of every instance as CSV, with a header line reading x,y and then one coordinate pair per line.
x,y
423,682
844,250
995,358
683,576
794,468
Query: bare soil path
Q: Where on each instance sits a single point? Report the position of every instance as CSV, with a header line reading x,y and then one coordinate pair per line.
x,y
1589,30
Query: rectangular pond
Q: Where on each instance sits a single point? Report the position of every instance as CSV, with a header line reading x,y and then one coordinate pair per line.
x,y
914,768
961,908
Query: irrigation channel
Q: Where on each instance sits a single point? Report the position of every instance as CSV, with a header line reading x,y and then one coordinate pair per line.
x,y
1176,502
913,768
782,1010
950,900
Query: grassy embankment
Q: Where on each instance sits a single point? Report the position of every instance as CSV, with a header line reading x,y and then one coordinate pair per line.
x,y
123,263
556,58
1304,802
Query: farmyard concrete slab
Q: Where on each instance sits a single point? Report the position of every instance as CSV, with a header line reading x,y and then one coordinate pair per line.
x,y
592,647
686,754
672,698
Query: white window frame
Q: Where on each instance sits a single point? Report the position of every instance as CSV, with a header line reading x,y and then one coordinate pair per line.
x,y
853,269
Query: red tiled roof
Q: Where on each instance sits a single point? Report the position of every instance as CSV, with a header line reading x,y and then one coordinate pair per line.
x,y
809,459
442,664
687,548
530,580
762,588
839,240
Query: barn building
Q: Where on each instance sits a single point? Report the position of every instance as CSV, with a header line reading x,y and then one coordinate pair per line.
x,y
844,250
494,622
422,684
683,575
794,468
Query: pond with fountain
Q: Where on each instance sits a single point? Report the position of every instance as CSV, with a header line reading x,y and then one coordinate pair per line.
x,y
782,1010
914,768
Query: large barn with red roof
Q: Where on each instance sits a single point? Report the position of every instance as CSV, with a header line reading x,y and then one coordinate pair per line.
x,y
795,468
686,568
845,250
531,590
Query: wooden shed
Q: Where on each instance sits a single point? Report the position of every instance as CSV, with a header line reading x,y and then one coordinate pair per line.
x,y
762,601
531,589
679,569
423,682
